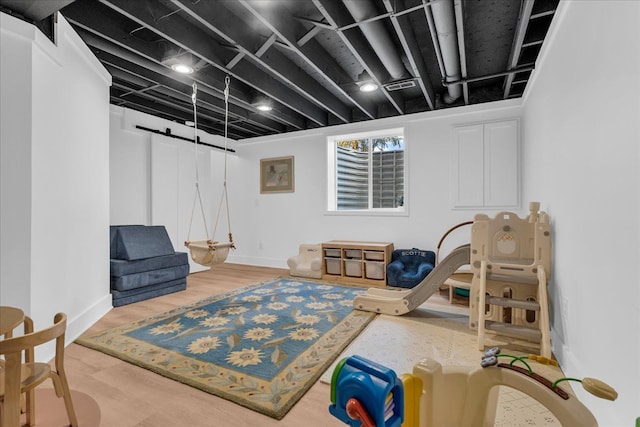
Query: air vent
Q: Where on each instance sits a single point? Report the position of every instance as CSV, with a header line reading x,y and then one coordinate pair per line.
x,y
399,85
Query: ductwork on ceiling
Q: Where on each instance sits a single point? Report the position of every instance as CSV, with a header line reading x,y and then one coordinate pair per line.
x,y
444,21
378,36
441,15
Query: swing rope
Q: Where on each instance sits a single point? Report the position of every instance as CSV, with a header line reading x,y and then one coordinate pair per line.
x,y
225,196
195,141
211,243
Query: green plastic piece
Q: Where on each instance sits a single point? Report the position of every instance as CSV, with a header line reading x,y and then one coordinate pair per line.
x,y
334,379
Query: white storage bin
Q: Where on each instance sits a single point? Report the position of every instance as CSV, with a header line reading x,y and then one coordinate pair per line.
x,y
353,267
333,265
374,270
353,253
333,253
374,255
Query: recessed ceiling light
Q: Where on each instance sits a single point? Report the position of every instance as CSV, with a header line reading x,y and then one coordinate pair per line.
x,y
368,87
264,107
182,68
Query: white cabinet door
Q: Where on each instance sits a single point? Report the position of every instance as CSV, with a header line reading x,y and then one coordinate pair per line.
x,y
487,165
469,168
501,160
173,166
164,185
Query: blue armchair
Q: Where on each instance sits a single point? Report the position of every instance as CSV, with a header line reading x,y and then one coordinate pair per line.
x,y
409,267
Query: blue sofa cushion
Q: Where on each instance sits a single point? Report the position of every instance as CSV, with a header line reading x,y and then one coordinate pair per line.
x,y
146,278
139,242
121,267
113,234
139,294
409,267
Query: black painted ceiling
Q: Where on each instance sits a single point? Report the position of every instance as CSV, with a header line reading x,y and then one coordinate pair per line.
x,y
308,57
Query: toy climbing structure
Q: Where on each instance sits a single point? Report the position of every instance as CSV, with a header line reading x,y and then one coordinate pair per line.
x,y
511,262
366,394
510,259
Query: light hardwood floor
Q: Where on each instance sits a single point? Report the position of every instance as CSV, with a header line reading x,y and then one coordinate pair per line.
x,y
132,396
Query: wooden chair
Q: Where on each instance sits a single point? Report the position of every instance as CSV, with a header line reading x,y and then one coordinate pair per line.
x,y
17,377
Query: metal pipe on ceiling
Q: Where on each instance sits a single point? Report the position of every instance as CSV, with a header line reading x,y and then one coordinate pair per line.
x,y
378,36
444,21
526,10
511,72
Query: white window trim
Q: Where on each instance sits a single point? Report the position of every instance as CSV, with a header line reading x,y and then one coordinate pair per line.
x,y
331,162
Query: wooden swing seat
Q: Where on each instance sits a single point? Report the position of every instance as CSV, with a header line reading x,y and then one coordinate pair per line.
x,y
208,252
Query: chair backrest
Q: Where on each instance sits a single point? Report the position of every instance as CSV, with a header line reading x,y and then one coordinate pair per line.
x,y
32,339
141,241
412,258
13,348
310,251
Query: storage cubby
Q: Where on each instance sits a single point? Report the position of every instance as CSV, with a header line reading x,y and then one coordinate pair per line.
x,y
356,262
374,269
353,267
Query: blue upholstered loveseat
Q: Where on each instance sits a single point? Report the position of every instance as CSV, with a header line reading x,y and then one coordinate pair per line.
x,y
144,264
409,267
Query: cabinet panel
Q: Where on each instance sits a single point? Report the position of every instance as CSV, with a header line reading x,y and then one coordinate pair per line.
x,y
468,176
164,185
486,165
501,164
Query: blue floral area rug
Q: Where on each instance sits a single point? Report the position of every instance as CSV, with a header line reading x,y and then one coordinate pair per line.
x,y
261,346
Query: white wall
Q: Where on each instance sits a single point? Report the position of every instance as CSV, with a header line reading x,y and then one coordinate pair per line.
x,y
273,225
130,171
268,228
55,183
15,161
581,158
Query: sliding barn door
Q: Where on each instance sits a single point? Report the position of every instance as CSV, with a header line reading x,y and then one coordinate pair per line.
x,y
173,177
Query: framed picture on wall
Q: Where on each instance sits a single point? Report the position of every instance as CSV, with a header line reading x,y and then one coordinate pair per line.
x,y
276,175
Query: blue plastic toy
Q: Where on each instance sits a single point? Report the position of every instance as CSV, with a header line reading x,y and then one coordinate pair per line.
x,y
370,388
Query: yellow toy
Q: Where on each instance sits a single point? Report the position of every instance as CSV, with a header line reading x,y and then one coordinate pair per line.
x,y
467,397
443,396
511,263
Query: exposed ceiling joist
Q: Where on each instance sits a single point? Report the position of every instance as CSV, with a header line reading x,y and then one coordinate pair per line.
x,y
307,57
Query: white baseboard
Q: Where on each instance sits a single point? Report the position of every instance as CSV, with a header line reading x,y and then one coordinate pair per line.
x,y
258,261
80,323
76,327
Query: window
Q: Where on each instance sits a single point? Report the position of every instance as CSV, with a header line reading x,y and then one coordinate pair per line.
x,y
366,172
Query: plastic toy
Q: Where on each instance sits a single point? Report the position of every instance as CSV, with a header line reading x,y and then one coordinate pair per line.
x,y
511,263
460,281
396,303
366,393
436,395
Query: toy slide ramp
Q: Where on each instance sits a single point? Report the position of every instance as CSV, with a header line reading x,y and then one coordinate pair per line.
x,y
396,303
